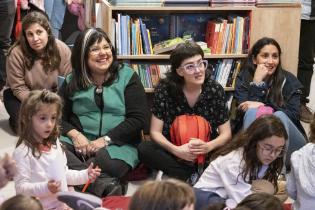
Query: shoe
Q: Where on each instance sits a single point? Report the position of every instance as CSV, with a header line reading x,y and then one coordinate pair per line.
x,y
79,201
306,114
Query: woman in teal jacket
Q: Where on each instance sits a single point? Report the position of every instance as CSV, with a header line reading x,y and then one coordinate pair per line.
x,y
104,107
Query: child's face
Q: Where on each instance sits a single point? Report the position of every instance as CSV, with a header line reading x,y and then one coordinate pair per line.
x,y
270,149
44,121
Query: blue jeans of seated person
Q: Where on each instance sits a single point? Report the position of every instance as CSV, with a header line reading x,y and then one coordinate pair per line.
x,y
296,140
55,9
204,198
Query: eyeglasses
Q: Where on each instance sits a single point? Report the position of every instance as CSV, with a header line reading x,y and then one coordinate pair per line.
x,y
270,151
191,68
97,50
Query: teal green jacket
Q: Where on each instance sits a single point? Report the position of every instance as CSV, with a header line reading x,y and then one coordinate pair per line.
x,y
121,115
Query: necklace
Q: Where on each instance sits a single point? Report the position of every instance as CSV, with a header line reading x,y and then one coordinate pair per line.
x,y
99,89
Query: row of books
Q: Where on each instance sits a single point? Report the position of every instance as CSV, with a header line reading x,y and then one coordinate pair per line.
x,y
228,36
213,3
224,71
135,35
150,74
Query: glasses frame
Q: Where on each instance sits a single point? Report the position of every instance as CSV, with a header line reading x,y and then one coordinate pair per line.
x,y
195,66
271,151
97,50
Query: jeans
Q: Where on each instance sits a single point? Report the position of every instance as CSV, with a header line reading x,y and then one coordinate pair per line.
x,y
204,198
55,9
7,14
306,56
296,140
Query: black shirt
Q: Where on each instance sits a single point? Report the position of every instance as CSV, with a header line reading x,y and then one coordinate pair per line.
x,y
211,105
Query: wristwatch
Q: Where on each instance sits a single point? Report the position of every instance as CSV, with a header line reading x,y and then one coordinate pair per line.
x,y
107,140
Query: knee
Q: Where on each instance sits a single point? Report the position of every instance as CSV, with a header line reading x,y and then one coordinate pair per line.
x,y
250,112
280,114
144,149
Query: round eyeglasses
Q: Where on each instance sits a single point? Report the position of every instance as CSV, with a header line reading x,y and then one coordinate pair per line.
x,y
271,151
191,68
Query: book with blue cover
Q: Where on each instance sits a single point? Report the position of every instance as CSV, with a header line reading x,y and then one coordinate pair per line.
x,y
191,24
159,26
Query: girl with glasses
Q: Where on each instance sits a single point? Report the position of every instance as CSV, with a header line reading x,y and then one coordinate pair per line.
x,y
255,156
187,89
301,179
263,82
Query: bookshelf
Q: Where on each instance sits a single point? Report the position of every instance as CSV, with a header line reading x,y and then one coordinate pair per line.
x,y
281,23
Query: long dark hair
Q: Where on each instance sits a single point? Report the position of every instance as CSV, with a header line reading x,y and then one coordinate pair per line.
x,y
82,78
275,92
182,51
50,57
37,99
262,128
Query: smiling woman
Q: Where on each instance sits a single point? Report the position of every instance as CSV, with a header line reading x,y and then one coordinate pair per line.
x,y
263,84
34,62
104,111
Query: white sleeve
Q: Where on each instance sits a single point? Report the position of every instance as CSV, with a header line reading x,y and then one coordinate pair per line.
x,y
75,177
22,179
236,187
291,184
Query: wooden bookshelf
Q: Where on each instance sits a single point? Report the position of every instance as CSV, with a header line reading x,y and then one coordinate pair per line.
x,y
279,22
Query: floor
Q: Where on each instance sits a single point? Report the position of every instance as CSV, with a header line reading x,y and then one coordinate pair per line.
x,y
8,141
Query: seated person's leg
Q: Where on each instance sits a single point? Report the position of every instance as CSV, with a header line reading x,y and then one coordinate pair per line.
x,y
295,137
155,157
12,105
249,117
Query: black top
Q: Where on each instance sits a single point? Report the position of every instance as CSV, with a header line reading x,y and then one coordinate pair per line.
x,y
211,105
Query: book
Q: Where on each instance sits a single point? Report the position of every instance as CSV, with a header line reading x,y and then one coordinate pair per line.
x,y
193,24
158,25
167,45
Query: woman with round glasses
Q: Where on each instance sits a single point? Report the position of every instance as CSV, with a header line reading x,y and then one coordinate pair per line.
x,y
255,156
104,111
187,89
264,83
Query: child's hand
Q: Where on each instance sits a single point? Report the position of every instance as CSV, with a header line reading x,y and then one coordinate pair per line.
x,y
93,173
7,170
54,186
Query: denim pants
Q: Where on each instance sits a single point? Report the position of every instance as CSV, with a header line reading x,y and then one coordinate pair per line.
x,y
204,198
7,14
55,9
296,140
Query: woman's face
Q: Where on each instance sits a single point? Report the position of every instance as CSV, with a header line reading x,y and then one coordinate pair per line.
x,y
270,149
100,57
193,70
269,56
37,37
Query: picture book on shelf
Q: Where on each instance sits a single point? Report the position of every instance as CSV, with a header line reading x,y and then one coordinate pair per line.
x,y
159,27
167,45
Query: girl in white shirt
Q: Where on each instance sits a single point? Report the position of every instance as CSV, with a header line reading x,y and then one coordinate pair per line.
x,y
41,162
255,154
301,179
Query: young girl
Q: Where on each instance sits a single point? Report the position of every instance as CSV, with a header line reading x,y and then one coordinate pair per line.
x,y
301,180
255,154
41,163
